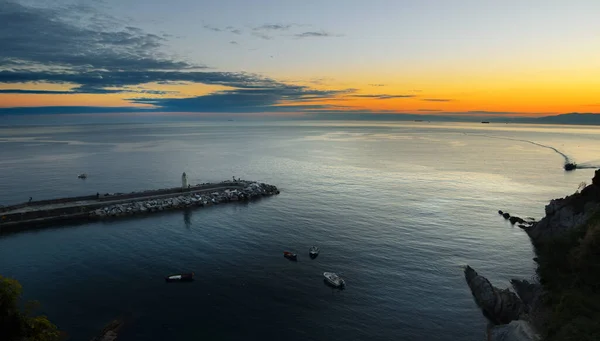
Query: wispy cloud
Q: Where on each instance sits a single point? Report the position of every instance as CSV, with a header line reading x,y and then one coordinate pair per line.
x,y
273,27
437,100
262,35
230,29
428,110
315,34
233,42
377,85
383,96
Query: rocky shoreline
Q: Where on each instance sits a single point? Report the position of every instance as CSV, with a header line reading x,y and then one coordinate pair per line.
x,y
523,315
250,190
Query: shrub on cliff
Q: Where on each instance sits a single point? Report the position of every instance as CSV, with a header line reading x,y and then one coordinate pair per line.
x,y
569,269
18,325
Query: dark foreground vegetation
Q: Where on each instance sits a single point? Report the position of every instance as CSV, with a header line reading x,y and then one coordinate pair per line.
x,y
569,270
19,323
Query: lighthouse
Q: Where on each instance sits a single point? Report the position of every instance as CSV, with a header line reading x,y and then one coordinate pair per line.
x,y
184,181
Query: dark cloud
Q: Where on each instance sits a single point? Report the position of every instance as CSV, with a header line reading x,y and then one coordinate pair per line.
x,y
233,42
84,91
310,34
105,79
437,100
428,110
51,110
244,100
36,92
384,96
44,38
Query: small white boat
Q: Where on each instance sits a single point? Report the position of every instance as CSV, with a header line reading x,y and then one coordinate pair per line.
x,y
180,277
334,280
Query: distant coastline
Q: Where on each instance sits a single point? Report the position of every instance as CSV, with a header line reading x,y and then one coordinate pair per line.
x,y
17,117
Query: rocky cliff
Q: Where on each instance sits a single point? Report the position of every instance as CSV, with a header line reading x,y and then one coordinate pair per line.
x,y
567,302
567,213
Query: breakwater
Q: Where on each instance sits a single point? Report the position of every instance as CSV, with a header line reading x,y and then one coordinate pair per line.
x,y
97,207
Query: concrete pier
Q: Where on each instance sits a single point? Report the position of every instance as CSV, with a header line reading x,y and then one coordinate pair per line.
x,y
97,207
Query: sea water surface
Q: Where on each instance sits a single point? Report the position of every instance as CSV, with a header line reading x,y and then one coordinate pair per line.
x,y
397,208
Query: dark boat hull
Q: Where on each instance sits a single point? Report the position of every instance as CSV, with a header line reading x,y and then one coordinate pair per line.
x,y
570,166
313,255
290,256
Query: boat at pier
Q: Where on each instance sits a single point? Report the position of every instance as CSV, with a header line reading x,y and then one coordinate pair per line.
x,y
290,255
180,277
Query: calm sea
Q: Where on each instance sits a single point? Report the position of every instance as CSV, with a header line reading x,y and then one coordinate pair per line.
x,y
397,208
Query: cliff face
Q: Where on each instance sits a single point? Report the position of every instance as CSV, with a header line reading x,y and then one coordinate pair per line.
x,y
567,213
567,302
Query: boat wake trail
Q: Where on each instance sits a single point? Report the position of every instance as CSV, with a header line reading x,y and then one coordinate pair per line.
x,y
565,156
587,166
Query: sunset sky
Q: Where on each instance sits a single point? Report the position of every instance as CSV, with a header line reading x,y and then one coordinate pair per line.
x,y
534,57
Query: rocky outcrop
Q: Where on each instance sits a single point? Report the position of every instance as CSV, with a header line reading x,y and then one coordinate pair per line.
x,y
507,312
518,330
522,223
528,292
500,306
110,332
249,190
567,213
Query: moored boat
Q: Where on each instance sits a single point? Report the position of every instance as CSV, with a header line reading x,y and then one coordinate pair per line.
x,y
570,166
332,279
313,252
180,277
290,255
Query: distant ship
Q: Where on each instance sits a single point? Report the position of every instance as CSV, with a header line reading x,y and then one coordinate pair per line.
x,y
485,121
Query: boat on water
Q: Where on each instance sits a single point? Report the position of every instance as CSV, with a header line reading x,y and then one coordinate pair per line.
x,y
82,176
334,280
570,166
290,255
313,252
180,277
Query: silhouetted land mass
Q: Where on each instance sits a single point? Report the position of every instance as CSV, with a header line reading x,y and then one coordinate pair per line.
x,y
565,303
471,116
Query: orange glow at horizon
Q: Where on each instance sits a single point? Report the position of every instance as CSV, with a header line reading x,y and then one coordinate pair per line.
x,y
541,96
